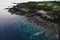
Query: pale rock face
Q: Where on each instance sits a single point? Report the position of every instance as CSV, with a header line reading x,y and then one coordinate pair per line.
x,y
23,9
41,11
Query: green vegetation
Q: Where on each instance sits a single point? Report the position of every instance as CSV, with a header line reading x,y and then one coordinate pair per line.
x,y
31,9
53,8
51,18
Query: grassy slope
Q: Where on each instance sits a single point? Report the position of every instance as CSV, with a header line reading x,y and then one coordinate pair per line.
x,y
53,8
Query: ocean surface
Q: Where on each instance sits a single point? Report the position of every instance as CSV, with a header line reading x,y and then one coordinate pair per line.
x,y
15,27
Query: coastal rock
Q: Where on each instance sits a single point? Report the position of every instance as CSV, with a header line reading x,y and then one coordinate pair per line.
x,y
41,16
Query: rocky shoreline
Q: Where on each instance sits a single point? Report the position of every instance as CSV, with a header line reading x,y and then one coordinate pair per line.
x,y
39,17
29,13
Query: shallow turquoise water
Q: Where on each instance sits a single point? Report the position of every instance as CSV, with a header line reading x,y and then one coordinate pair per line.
x,y
15,27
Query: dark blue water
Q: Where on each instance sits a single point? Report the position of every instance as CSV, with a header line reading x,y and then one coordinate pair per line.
x,y
15,27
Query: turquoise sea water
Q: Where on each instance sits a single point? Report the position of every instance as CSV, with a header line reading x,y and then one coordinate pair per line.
x,y
15,27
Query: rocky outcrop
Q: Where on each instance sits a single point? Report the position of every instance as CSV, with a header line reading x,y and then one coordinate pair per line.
x,y
40,17
29,13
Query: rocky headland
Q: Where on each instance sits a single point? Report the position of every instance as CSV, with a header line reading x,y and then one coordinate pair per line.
x,y
46,14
